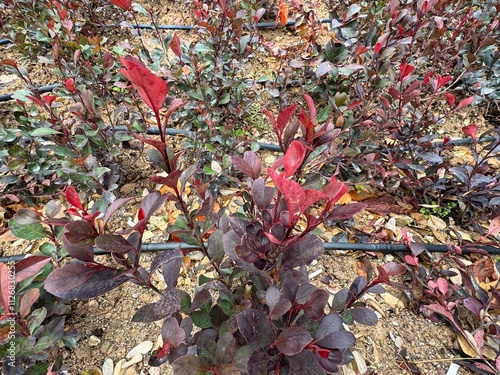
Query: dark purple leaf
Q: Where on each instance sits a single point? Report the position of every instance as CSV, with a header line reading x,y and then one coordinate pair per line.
x,y
290,133
337,340
304,363
171,262
79,281
258,362
323,68
340,300
364,316
226,348
332,363
346,211
82,251
28,267
293,340
303,252
314,308
250,323
330,324
80,231
376,289
250,164
146,314
113,243
171,332
186,175
113,207
206,347
473,305
152,202
200,298
168,304
188,365
281,307
261,194
358,285
304,292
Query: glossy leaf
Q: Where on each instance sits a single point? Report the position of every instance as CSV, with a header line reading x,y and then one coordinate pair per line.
x,y
292,340
113,243
30,266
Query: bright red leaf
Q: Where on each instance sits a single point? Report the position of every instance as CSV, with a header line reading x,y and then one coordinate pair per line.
x,y
124,4
465,102
175,46
294,157
470,131
152,89
73,198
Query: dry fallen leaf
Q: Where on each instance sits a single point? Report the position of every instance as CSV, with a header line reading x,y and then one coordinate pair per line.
x,y
468,345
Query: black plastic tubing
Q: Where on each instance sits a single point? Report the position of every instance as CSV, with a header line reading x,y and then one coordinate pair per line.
x,y
370,247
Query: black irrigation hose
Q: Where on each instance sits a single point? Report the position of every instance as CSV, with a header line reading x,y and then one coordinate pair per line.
x,y
41,90
170,131
371,247
5,41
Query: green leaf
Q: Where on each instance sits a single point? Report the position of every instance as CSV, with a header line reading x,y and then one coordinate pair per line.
x,y
225,98
63,151
28,232
196,95
43,131
48,248
201,319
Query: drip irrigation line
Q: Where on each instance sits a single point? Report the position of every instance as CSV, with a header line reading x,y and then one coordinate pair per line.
x,y
41,90
169,131
5,41
371,247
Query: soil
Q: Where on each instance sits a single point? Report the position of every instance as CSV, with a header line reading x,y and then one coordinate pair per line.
x,y
106,330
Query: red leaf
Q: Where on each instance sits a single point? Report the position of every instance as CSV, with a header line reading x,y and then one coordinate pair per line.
x,y
465,102
443,80
377,48
175,46
124,4
294,157
292,191
5,292
73,198
405,71
284,117
334,190
411,260
311,196
470,131
27,300
49,99
450,98
30,266
152,89
69,83
312,108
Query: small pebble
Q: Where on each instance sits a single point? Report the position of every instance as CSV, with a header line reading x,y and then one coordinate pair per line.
x,y
93,305
141,348
93,341
107,367
135,359
318,272
395,324
154,371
